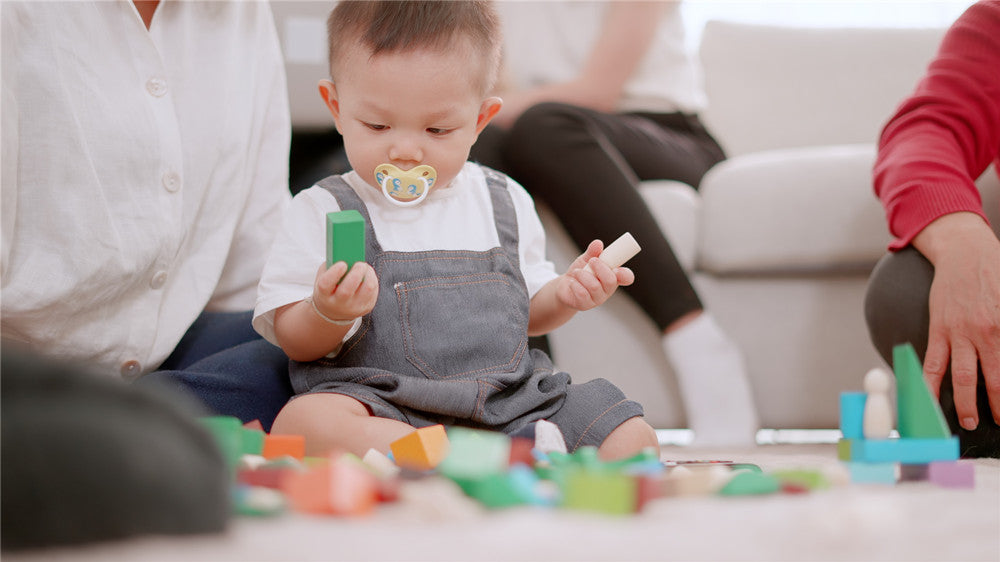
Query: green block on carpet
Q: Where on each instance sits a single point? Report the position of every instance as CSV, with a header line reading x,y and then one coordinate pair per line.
x,y
475,453
745,483
228,433
604,491
252,442
919,414
844,449
345,237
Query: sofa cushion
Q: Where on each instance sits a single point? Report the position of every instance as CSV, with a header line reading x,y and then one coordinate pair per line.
x,y
795,210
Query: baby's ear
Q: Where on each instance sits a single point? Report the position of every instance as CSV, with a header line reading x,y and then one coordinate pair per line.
x,y
328,91
487,111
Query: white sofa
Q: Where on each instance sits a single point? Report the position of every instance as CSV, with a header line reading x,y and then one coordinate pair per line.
x,y
782,236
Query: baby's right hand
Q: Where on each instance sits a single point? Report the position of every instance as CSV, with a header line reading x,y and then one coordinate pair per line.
x,y
347,298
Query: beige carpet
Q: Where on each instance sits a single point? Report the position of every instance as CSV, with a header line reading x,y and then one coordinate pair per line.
x,y
910,521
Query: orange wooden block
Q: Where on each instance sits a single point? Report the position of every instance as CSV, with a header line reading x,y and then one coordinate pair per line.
x,y
423,449
281,445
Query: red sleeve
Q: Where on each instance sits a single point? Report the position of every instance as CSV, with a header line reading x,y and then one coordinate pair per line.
x,y
947,133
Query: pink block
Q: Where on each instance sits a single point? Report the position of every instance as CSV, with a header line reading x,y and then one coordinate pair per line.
x,y
952,474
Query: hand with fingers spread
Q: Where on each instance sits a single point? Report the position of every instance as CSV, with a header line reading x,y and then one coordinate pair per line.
x,y
964,311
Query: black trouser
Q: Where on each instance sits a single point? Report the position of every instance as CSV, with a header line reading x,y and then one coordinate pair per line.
x,y
897,311
586,166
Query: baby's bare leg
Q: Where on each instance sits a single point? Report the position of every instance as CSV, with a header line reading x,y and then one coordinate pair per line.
x,y
332,422
628,439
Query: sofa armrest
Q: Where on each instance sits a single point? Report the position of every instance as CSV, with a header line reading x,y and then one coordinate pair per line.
x,y
800,210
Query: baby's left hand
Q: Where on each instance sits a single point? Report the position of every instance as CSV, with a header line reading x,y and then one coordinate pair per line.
x,y
582,289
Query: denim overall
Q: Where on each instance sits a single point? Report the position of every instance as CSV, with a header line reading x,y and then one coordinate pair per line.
x,y
447,342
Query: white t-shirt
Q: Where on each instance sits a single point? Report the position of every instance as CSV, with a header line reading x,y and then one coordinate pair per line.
x,y
458,217
546,42
144,172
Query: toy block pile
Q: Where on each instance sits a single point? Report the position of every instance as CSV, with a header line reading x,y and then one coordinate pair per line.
x,y
925,449
271,473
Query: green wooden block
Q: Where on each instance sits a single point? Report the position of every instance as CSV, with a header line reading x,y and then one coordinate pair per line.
x,y
919,414
811,479
844,449
228,433
745,483
503,489
345,237
474,453
600,490
252,442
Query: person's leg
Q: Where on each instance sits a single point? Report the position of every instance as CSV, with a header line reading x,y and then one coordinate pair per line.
x,y
897,310
332,422
230,368
627,440
586,166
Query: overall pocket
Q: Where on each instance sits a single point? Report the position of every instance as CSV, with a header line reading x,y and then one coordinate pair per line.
x,y
465,326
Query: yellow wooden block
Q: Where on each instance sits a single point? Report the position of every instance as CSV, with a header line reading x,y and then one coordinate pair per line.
x,y
423,449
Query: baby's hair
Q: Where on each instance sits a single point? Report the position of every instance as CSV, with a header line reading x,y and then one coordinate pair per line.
x,y
389,26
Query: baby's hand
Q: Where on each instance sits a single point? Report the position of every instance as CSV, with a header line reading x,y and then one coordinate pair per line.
x,y
582,289
347,298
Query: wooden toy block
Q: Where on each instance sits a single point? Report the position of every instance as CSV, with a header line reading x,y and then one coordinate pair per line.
x,y
502,489
308,491
227,431
264,477
549,438
276,445
744,483
520,451
919,415
952,474
844,449
906,451
381,465
473,453
697,480
252,441
648,488
345,237
423,449
619,251
873,472
913,472
852,407
254,424
353,489
259,502
810,479
600,490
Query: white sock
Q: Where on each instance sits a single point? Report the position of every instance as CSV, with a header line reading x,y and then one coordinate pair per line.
x,y
713,383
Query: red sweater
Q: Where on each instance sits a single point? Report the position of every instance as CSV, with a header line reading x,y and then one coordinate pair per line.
x,y
947,133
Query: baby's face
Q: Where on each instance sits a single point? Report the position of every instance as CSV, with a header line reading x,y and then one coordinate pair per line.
x,y
410,109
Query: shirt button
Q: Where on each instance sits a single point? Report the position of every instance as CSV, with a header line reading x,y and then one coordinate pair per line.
x,y
171,181
131,370
158,280
156,86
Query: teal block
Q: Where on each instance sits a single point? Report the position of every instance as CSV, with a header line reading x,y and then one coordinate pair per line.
x,y
474,453
852,413
873,473
745,483
919,414
907,451
345,237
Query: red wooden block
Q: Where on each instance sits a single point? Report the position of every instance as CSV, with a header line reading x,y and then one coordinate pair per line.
x,y
520,451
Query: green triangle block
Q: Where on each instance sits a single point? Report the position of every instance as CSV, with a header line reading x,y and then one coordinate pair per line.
x,y
918,412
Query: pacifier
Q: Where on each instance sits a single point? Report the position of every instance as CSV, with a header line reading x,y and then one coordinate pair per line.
x,y
405,187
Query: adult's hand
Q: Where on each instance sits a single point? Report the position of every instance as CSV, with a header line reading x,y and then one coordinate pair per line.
x,y
964,310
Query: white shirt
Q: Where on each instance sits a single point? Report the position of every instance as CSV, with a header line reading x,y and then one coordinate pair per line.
x,y
144,173
547,42
458,217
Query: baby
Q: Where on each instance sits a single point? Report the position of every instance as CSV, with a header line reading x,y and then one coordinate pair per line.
x,y
433,327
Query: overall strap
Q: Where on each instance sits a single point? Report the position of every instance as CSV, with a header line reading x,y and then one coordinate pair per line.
x,y
348,199
503,214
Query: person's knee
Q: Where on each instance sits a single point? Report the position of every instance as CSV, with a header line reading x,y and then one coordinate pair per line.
x,y
897,301
628,439
539,128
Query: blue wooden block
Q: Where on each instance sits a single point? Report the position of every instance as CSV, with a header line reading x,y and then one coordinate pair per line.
x,y
873,472
902,450
852,413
